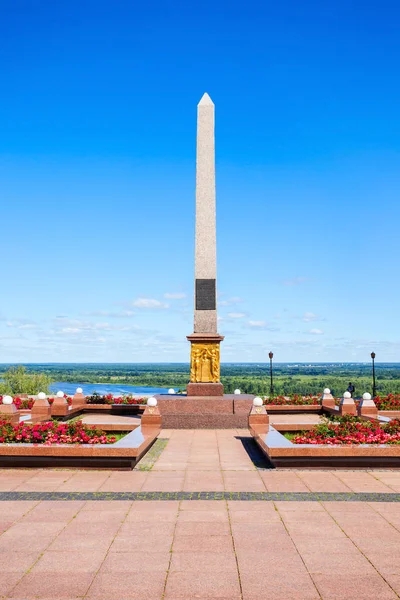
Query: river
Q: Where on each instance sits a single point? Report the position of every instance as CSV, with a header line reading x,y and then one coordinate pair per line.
x,y
105,388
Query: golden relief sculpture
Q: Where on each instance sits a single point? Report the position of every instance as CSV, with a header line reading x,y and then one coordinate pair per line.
x,y
204,363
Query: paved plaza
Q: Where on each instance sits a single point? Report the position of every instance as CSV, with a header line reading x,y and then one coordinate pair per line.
x,y
289,548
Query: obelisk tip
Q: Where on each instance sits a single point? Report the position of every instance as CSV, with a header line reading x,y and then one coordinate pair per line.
x,y
206,100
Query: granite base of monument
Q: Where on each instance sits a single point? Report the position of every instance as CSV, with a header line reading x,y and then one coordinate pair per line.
x,y
229,411
205,389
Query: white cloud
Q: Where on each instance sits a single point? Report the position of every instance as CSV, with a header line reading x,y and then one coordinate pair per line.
x,y
260,326
309,316
174,296
70,330
149,303
236,315
257,324
316,331
230,301
67,326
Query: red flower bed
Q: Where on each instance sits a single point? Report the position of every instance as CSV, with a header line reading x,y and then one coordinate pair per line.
x,y
351,430
110,399
21,403
293,399
27,403
52,432
389,402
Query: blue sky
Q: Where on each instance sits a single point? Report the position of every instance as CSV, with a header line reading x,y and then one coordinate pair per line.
x,y
97,169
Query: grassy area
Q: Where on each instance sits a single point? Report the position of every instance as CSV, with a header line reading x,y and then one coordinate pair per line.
x,y
117,434
289,435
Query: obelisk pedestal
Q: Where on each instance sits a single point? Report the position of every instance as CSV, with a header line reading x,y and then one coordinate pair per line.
x,y
205,365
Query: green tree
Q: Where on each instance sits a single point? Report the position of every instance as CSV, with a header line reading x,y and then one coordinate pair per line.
x,y
18,381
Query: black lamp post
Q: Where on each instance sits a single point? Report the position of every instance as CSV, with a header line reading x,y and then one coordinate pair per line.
x,y
373,374
271,387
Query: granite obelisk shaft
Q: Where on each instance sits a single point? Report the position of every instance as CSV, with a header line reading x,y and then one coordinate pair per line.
x,y
205,341
205,313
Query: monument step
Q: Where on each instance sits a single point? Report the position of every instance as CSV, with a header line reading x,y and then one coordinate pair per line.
x,y
228,404
204,421
195,405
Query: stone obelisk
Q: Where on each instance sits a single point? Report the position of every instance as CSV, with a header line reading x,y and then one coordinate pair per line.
x,y
205,341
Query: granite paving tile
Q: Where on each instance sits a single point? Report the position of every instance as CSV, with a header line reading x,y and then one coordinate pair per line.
x,y
98,541
204,543
203,561
8,581
153,511
48,511
352,586
12,511
86,481
346,559
161,482
124,482
353,508
108,517
205,505
4,525
148,585
46,585
181,584
205,516
283,481
45,481
203,481
322,481
243,481
262,561
70,561
146,528
288,508
155,542
256,530
279,585
393,580
184,528
89,528
12,561
107,505
361,481
28,538
123,562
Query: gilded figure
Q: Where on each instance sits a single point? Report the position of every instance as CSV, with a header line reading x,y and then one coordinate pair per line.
x,y
204,366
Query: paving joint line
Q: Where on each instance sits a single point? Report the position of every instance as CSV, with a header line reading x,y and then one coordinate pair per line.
x,y
170,553
234,549
107,552
298,551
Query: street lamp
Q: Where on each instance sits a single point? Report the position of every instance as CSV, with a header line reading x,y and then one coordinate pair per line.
x,y
373,375
271,387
